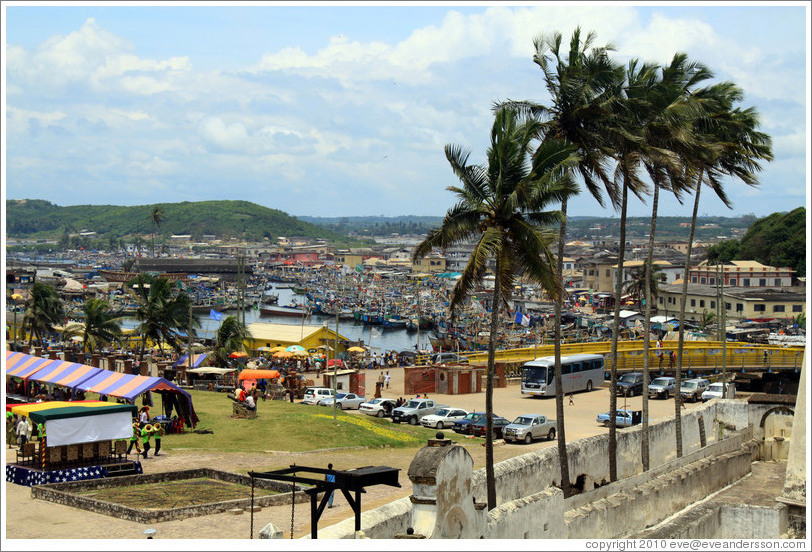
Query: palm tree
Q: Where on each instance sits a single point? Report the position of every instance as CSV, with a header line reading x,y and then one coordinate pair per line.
x,y
728,144
44,310
156,218
162,312
101,326
501,205
230,337
636,285
581,82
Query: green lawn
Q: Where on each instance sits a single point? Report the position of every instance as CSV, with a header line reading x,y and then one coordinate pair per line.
x,y
283,426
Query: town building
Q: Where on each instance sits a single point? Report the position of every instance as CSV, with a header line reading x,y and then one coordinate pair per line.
x,y
741,274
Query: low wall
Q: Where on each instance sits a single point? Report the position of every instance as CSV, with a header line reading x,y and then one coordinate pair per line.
x,y
632,510
381,523
538,516
64,493
752,522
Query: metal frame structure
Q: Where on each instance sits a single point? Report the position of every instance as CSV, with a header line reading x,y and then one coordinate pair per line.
x,y
347,481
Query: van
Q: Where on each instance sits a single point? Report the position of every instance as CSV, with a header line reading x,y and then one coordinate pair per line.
x,y
313,395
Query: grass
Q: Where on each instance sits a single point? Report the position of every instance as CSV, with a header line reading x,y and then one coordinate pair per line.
x,y
175,494
283,426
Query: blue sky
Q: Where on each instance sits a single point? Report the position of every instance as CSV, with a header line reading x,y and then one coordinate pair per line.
x,y
344,110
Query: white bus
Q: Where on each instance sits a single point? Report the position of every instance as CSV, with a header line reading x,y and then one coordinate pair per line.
x,y
578,373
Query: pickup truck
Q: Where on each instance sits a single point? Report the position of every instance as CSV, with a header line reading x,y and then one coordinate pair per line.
x,y
414,410
624,418
528,427
662,387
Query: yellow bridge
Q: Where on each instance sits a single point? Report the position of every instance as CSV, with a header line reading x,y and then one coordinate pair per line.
x,y
697,355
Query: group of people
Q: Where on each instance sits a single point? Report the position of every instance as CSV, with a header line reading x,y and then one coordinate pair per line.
x,y
18,430
248,399
143,431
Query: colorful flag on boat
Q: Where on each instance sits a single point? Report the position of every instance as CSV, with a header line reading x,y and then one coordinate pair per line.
x,y
214,315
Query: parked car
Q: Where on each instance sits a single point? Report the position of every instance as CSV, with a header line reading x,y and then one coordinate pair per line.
x,y
623,417
692,389
662,387
499,424
345,401
414,410
449,358
714,391
528,427
630,384
445,417
464,426
379,407
313,395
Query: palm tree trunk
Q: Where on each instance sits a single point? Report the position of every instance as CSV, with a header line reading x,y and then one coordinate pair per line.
x,y
644,452
563,459
615,335
682,301
490,481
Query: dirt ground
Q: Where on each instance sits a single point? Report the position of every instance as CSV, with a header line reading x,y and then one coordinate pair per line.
x,y
27,518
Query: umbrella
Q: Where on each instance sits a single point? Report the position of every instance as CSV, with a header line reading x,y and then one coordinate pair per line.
x,y
264,349
293,348
299,353
238,354
356,350
276,349
283,354
77,338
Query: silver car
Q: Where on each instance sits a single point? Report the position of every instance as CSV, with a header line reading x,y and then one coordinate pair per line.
x,y
345,401
445,417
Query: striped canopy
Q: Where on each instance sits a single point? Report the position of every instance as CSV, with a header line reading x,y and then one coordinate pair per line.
x,y
197,360
22,366
125,386
66,374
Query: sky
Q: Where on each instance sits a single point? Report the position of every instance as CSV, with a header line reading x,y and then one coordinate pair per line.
x,y
344,110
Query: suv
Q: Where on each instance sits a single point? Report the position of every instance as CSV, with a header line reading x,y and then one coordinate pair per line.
x,y
693,388
662,387
630,384
313,395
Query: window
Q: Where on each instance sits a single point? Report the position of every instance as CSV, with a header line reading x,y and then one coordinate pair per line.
x,y
762,282
739,307
746,282
701,302
607,272
693,279
693,302
713,304
732,282
758,308
777,282
660,300
778,308
797,308
702,280
727,306
712,281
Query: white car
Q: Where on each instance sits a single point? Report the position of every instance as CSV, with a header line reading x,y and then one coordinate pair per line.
x,y
345,401
313,395
445,417
379,407
714,391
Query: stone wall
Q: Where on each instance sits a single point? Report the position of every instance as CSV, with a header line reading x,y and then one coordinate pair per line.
x,y
751,522
538,516
630,511
381,523
65,493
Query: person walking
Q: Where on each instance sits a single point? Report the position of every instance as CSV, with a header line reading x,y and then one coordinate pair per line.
x,y
134,440
157,433
146,433
386,379
332,478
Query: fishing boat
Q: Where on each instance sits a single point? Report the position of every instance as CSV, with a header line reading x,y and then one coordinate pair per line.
x,y
284,310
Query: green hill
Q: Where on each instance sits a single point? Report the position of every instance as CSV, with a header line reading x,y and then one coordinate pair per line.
x,y
776,240
34,218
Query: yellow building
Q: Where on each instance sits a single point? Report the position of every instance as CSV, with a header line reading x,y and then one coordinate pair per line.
x,y
740,303
307,336
432,264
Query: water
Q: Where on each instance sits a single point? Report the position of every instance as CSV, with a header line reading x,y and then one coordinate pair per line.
x,y
377,339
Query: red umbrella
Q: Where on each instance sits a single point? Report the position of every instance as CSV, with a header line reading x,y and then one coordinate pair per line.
x,y
332,361
238,354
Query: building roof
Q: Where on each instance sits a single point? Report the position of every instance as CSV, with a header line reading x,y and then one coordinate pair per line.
x,y
285,332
